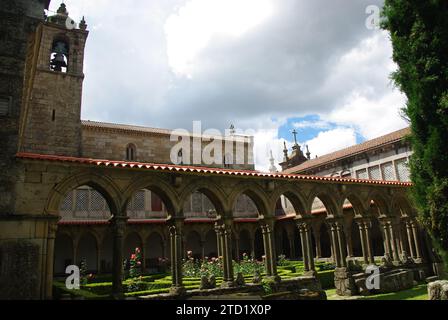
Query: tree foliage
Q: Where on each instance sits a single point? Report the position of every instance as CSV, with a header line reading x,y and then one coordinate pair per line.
x,y
419,34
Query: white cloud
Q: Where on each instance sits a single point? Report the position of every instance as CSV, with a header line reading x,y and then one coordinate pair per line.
x,y
331,140
189,30
317,124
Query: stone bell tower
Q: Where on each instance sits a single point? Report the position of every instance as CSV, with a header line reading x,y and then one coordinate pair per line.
x,y
51,110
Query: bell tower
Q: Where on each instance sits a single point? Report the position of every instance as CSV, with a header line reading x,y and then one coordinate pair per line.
x,y
51,110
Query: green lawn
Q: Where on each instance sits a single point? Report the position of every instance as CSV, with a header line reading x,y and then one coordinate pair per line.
x,y
419,292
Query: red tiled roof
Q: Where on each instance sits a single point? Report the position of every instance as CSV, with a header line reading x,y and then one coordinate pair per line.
x,y
351,151
122,127
200,170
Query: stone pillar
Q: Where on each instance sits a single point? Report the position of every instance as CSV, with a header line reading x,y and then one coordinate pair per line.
x,y
252,248
176,229
118,228
223,228
341,239
348,237
318,244
393,241
304,226
203,249
362,235
218,240
267,227
387,247
367,227
416,240
410,239
237,249
51,236
334,242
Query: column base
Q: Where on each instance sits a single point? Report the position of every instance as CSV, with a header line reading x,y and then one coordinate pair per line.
x,y
275,279
311,273
228,284
344,282
178,291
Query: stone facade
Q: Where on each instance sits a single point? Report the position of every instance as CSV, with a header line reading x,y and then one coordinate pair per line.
x,y
59,155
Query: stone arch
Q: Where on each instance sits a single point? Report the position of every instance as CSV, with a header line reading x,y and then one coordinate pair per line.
x,y
213,192
256,194
402,207
63,252
293,195
360,207
381,204
101,183
154,184
329,202
87,248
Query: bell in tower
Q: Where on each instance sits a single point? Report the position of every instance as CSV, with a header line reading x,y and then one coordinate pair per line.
x,y
59,56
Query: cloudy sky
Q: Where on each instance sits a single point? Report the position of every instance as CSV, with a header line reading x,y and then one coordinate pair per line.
x,y
265,65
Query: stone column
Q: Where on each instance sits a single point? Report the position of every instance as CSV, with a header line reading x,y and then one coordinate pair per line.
x,y
218,240
416,240
203,249
387,247
367,227
341,239
301,226
410,239
223,227
349,247
175,226
267,227
393,241
51,236
252,248
118,228
237,249
304,226
363,239
318,244
334,243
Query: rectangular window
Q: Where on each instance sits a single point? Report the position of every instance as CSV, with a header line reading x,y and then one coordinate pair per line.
x,y
387,169
5,103
361,174
374,173
403,170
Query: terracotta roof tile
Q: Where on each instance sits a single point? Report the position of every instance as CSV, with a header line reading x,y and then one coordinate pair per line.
x,y
200,170
350,151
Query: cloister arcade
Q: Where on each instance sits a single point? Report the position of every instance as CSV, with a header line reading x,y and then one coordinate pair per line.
x,y
350,218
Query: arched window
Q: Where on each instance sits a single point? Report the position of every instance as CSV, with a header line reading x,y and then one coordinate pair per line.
x,y
59,56
131,152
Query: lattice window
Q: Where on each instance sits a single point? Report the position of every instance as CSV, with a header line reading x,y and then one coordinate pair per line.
x,y
138,202
403,170
67,204
97,202
82,200
374,173
208,205
361,174
388,171
251,208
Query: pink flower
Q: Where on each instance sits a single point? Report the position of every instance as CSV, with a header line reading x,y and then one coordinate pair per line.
x,y
133,256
